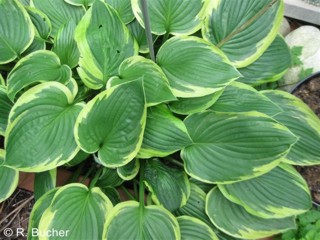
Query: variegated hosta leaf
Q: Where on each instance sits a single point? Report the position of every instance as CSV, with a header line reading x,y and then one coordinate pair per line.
x,y
155,82
40,21
252,143
41,205
113,123
164,134
234,220
130,220
2,82
192,228
302,121
185,106
194,67
287,194
80,157
262,71
40,66
65,46
25,2
175,17
8,179
240,97
104,42
39,136
169,186
59,12
5,107
250,29
139,34
112,194
84,3
129,171
37,44
78,211
44,182
14,40
109,178
123,8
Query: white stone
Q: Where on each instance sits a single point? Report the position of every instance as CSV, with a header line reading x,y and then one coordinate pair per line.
x,y
285,27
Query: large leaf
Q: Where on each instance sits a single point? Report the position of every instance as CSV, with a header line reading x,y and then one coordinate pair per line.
x,y
41,205
5,107
230,147
270,67
39,136
40,66
164,134
240,97
77,211
280,193
192,228
123,7
59,12
130,220
104,42
40,21
65,46
113,123
243,29
14,40
8,179
178,17
169,186
155,82
302,121
180,56
235,221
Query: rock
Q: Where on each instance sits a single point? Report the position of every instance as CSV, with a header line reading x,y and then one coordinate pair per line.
x,y
285,27
305,47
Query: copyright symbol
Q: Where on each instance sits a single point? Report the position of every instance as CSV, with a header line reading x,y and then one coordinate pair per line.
x,y
8,232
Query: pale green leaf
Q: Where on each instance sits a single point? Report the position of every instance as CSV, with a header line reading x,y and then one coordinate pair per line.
x,y
84,3
194,67
14,40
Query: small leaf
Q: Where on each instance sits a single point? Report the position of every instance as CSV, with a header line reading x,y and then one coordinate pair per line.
x,y
129,171
14,40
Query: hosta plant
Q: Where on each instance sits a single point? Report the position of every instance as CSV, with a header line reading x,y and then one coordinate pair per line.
x,y
155,100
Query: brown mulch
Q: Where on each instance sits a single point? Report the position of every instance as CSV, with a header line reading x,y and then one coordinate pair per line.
x,y
310,93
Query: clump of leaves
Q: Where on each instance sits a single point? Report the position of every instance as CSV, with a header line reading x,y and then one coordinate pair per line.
x,y
158,102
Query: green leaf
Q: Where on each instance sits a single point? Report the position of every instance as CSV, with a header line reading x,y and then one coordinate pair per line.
x,y
78,211
296,52
303,122
280,193
84,3
14,40
169,186
129,171
180,56
40,21
104,42
65,46
129,220
37,44
270,67
235,221
185,106
155,82
5,107
164,133
240,97
175,17
40,66
8,179
109,178
243,30
44,182
113,123
123,8
252,143
2,82
112,194
79,158
59,12
39,136
41,205
25,2
192,228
